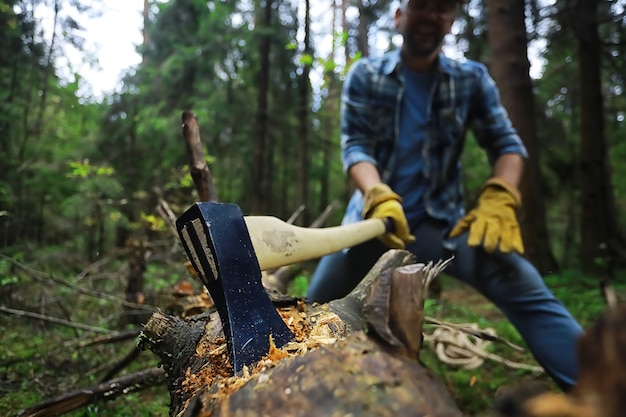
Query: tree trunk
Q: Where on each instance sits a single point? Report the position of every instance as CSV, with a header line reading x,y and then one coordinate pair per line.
x,y
136,277
198,168
144,29
259,139
357,355
304,102
364,23
510,68
330,108
598,224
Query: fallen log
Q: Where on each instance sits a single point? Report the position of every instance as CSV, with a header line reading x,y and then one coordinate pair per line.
x,y
358,355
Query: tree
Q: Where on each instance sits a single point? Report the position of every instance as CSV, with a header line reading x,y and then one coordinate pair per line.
x,y
329,113
369,13
598,226
510,67
304,104
259,140
42,124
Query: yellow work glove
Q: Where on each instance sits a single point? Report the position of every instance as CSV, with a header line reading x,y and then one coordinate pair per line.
x,y
493,222
382,203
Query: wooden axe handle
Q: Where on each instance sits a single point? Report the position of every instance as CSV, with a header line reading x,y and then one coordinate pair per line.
x,y
278,243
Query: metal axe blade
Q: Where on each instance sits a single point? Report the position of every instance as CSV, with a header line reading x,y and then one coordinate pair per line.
x,y
217,242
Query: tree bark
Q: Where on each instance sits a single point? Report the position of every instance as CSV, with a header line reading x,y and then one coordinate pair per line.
x,y
259,140
598,223
198,167
510,67
356,355
364,23
304,103
138,250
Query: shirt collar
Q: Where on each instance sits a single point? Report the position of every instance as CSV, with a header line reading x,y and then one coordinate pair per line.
x,y
444,64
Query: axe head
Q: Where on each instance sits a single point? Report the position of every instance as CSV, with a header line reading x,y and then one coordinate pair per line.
x,y
217,242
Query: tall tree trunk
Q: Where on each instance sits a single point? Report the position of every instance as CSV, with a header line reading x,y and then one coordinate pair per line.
x,y
510,67
365,22
598,224
260,125
331,107
144,31
345,27
48,71
303,120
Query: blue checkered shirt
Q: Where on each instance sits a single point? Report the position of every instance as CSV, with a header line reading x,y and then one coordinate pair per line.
x,y
463,97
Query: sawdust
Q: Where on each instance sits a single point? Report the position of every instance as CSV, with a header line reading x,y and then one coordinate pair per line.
x,y
312,329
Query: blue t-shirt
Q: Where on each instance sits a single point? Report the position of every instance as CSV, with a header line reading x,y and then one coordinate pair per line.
x,y
408,178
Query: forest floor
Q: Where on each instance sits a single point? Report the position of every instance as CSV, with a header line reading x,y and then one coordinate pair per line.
x,y
475,389
41,360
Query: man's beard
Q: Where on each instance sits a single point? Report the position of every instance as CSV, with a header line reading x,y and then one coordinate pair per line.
x,y
420,48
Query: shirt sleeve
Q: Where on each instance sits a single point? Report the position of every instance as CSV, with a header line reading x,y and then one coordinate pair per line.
x,y
357,139
491,124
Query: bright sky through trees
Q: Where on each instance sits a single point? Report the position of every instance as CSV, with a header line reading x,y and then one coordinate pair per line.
x,y
114,30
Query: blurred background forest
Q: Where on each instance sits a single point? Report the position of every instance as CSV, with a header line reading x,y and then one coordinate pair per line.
x,y
82,177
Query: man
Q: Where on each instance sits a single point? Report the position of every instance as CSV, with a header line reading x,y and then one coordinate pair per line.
x,y
403,121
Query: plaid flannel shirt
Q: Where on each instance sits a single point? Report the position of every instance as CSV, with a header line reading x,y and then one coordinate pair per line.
x,y
463,97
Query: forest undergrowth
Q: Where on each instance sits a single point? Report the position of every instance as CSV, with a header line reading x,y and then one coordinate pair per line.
x,y
42,359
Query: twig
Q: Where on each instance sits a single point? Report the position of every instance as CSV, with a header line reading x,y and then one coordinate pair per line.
x,y
53,320
164,210
109,338
321,219
198,167
94,266
43,277
125,361
295,214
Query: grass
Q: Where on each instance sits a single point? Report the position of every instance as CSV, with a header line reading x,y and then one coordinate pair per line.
x,y
42,360
38,363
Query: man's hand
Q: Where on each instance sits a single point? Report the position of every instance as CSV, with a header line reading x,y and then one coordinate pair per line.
x,y
382,203
493,222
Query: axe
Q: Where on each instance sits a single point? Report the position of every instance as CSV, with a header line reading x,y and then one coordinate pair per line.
x,y
228,252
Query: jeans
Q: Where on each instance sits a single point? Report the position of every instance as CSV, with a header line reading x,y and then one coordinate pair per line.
x,y
507,280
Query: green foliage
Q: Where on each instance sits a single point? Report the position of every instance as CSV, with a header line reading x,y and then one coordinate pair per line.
x,y
475,170
306,59
7,278
298,287
83,170
143,404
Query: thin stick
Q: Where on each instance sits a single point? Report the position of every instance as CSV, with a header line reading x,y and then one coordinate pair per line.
x,y
198,167
40,276
53,320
